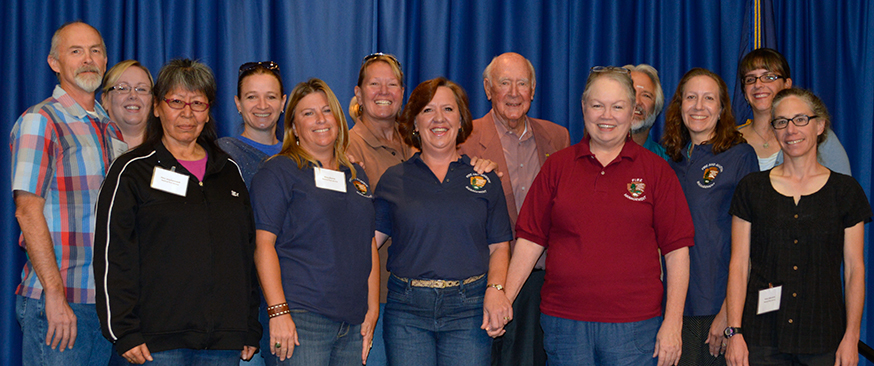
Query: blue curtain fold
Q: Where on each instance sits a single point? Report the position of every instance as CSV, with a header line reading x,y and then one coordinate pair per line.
x,y
829,46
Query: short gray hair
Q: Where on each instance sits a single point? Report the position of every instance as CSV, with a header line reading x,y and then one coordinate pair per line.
x,y
56,38
487,73
654,77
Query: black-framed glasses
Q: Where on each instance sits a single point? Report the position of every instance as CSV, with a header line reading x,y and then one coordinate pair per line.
x,y
765,79
380,54
196,105
610,69
799,121
126,89
269,65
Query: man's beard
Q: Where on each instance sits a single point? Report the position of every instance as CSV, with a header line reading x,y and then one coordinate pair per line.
x,y
88,82
638,127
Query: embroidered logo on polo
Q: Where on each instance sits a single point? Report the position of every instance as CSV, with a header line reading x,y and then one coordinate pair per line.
x,y
477,183
710,172
636,190
361,188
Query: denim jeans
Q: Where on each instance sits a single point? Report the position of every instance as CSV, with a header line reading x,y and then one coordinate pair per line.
x,y
430,327
377,353
187,357
322,342
90,348
578,343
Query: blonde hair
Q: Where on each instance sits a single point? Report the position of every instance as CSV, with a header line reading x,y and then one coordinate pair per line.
x,y
290,145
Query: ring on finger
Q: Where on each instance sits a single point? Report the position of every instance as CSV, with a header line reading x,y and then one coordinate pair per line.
x,y
278,345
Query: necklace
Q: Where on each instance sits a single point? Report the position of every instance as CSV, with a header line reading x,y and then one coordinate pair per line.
x,y
766,144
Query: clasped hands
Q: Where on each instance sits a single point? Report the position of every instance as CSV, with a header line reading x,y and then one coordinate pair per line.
x,y
497,312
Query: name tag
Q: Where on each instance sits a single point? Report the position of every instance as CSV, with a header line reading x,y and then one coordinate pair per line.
x,y
118,147
330,179
769,299
169,181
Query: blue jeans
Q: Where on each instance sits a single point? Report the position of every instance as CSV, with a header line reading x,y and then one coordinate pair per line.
x,y
322,342
90,348
377,353
430,327
578,343
186,356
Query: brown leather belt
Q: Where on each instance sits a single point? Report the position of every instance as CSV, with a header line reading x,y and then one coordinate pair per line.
x,y
439,283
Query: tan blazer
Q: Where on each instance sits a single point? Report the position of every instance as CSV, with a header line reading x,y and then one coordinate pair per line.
x,y
484,142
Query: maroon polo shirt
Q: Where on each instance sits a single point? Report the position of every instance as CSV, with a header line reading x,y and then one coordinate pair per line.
x,y
604,227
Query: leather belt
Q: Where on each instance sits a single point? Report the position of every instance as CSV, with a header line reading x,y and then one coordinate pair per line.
x,y
439,283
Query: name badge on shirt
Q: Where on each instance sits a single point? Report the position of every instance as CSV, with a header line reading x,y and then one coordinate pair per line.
x,y
118,147
170,181
330,179
769,299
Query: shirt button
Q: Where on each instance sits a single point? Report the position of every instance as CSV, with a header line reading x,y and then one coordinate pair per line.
x,y
795,268
521,165
794,294
523,188
201,183
790,321
796,241
602,172
796,216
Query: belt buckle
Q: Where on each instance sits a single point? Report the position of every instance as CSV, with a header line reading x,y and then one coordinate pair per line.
x,y
439,284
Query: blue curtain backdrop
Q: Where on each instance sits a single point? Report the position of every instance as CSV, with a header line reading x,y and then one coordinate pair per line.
x,y
830,46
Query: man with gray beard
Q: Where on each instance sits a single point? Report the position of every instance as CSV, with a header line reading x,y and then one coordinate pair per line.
x,y
61,150
650,100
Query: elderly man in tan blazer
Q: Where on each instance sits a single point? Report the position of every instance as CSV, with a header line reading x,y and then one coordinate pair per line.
x,y
519,145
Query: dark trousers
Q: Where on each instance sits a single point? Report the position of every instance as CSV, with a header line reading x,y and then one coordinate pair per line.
x,y
523,342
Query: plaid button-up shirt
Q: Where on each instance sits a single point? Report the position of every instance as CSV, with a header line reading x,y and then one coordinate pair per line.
x,y
61,153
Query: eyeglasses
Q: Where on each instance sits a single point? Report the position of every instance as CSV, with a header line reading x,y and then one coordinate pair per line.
x,y
196,105
610,69
126,89
765,79
800,121
269,65
378,54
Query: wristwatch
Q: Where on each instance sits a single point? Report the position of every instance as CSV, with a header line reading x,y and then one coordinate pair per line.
x,y
732,331
496,286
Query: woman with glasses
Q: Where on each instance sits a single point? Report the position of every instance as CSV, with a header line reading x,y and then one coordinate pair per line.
x,y
797,230
710,157
605,208
175,240
127,97
763,73
315,252
260,100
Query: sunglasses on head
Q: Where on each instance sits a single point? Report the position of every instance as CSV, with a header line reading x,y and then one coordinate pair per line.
x,y
269,65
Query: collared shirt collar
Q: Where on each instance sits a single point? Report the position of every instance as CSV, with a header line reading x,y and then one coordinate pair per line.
x,y
502,128
74,108
417,159
369,136
629,150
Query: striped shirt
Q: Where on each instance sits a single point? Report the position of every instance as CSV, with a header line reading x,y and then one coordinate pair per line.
x,y
61,153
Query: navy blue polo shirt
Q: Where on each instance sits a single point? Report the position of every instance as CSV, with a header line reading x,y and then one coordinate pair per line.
x,y
440,230
709,180
323,237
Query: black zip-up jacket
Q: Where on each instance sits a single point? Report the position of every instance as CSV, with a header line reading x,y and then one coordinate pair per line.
x,y
176,272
